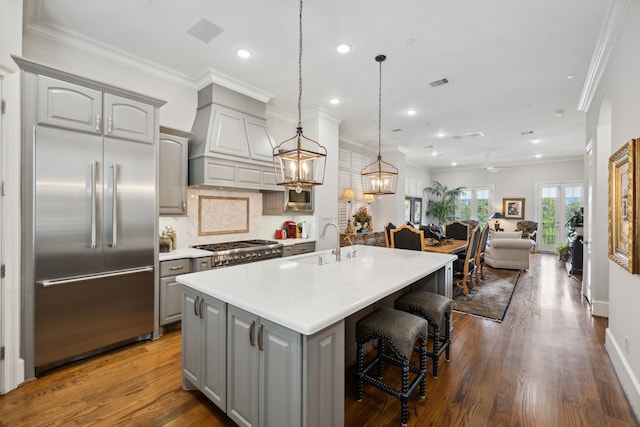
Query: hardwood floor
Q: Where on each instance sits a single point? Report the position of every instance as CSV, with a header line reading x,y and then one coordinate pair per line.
x,y
545,365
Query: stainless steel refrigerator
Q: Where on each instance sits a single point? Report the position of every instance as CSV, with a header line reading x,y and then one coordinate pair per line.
x,y
93,218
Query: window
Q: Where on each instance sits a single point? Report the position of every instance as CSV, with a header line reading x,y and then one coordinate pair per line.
x,y
475,204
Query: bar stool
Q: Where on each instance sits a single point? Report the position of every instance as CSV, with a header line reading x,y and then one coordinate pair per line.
x,y
399,331
436,309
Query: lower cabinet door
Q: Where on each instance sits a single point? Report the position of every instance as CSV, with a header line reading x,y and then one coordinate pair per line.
x,y
242,367
280,376
214,361
191,340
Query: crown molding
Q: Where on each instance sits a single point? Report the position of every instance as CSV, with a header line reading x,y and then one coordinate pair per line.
x,y
212,76
602,51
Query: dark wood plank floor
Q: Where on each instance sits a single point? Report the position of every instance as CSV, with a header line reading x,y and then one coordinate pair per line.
x,y
545,365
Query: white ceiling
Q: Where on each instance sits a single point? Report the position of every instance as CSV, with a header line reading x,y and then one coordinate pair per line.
x,y
507,62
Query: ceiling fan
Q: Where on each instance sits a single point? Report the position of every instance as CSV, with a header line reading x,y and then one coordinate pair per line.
x,y
492,169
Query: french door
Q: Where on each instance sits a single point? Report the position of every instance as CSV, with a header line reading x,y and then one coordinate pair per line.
x,y
556,202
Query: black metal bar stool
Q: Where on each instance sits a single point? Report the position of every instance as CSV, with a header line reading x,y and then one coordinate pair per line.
x,y
436,309
401,332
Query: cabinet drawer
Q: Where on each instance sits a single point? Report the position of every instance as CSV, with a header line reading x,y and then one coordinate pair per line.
x,y
175,267
202,264
303,248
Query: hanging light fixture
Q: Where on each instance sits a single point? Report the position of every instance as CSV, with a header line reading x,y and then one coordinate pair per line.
x,y
299,161
379,177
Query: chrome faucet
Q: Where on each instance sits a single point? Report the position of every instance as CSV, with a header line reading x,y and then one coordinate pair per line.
x,y
335,251
353,252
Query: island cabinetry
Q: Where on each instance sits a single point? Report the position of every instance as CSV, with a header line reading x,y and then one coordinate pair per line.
x,y
264,371
204,350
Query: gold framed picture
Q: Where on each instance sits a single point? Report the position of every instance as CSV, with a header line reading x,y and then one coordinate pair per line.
x,y
513,208
623,246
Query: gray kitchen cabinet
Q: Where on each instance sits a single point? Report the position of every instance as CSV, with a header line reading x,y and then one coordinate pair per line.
x,y
273,203
68,105
304,248
173,151
201,264
299,248
72,106
128,119
242,135
264,371
204,362
170,290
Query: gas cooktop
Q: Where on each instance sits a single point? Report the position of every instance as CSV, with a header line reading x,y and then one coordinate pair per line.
x,y
240,244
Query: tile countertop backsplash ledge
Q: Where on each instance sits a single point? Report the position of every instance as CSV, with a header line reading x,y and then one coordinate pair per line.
x,y
260,227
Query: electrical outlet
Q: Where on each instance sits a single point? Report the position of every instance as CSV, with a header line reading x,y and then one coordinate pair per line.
x,y
626,344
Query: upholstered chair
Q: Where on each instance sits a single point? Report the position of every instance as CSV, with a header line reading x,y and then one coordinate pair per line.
x,y
456,230
508,250
407,237
529,231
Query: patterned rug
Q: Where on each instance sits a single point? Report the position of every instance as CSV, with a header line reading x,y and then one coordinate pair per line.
x,y
493,297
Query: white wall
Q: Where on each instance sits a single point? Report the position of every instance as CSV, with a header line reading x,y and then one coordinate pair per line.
x,y
518,181
12,372
620,85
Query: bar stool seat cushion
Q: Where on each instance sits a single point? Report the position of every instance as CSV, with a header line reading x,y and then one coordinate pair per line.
x,y
432,305
401,328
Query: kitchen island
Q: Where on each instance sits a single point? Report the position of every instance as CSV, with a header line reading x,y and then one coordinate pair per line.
x,y
266,341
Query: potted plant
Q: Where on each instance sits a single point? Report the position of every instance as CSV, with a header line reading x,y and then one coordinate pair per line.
x,y
442,202
575,222
563,252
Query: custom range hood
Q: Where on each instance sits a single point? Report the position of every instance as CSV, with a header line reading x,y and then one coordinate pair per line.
x,y
232,145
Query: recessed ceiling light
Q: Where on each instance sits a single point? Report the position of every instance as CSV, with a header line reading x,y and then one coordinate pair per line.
x,y
335,101
571,76
243,53
411,112
343,48
441,134
559,112
435,153
536,141
538,156
454,163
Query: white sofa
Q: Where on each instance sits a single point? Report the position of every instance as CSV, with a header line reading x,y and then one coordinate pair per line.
x,y
508,250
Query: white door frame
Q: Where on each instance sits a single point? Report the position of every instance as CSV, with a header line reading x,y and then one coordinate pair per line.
x,y
590,173
560,210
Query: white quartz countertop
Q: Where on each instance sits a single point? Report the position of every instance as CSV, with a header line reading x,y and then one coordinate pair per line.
x,y
301,295
184,253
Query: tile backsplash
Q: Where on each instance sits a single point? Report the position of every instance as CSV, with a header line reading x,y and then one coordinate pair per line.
x,y
260,227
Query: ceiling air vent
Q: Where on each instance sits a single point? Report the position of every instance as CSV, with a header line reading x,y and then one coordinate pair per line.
x,y
440,82
526,132
205,30
468,135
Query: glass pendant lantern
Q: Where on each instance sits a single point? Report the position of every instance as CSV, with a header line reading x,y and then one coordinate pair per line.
x,y
379,178
300,161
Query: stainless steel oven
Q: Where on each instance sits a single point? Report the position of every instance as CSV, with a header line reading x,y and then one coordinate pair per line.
x,y
301,202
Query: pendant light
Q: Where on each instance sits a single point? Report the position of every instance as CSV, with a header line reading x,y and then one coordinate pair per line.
x,y
299,161
379,177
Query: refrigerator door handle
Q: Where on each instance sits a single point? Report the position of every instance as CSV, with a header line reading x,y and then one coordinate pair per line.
x,y
94,167
48,283
114,205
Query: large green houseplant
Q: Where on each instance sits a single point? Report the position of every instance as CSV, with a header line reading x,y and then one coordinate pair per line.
x,y
442,201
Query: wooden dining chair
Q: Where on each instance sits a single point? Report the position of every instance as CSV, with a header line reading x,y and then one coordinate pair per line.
x,y
387,234
479,261
457,230
407,237
465,266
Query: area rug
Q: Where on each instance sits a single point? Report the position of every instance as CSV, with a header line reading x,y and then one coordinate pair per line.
x,y
493,297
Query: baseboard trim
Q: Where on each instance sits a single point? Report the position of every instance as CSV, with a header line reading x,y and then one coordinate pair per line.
x,y
623,370
600,308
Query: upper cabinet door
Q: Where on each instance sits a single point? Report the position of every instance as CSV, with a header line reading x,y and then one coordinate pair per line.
x,y
68,105
128,119
172,186
229,134
261,143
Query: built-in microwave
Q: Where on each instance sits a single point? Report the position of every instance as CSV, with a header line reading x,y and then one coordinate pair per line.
x,y
301,202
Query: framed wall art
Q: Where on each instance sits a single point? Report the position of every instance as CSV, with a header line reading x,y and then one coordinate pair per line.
x,y
623,245
513,208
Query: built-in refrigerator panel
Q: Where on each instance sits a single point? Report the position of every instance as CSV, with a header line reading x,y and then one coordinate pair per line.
x,y
129,204
67,203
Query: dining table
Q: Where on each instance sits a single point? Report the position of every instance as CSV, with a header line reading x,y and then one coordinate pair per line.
x,y
450,246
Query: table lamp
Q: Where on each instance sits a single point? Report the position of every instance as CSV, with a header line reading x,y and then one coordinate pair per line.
x,y
348,195
496,216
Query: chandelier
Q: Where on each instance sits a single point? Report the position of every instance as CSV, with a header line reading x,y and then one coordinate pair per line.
x,y
379,177
299,161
